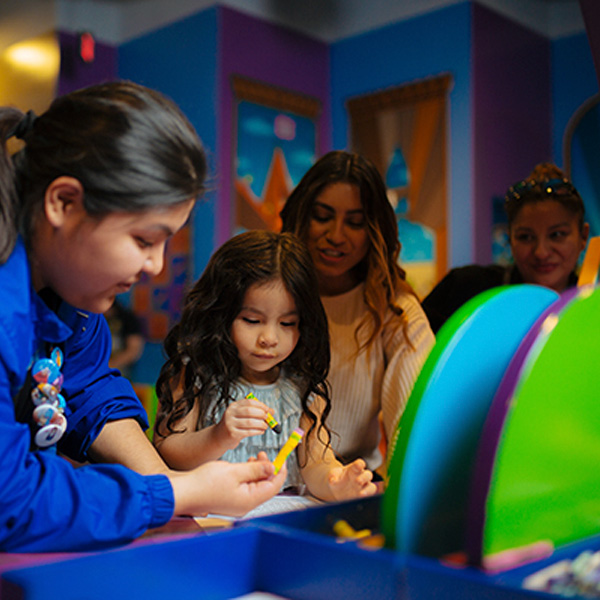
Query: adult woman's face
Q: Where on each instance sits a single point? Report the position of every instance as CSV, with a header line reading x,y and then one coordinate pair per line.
x,y
546,242
337,237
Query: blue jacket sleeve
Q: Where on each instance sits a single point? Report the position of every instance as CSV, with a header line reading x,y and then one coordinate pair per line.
x,y
47,505
95,394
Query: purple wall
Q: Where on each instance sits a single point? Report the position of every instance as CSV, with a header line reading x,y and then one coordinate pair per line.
x,y
511,113
273,55
75,74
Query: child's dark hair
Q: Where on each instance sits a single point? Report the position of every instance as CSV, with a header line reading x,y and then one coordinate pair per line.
x,y
202,359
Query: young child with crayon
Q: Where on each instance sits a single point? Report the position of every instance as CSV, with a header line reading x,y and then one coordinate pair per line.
x,y
249,356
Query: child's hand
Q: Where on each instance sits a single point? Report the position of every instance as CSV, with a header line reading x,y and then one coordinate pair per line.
x,y
242,419
351,481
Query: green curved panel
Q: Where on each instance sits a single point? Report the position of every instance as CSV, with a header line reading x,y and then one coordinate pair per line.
x,y
401,437
545,483
424,505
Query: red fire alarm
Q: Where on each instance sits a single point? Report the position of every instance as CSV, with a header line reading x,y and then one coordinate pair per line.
x,y
87,47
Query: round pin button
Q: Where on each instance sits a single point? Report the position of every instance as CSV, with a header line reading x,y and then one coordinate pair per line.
x,y
49,403
50,434
57,356
45,370
44,413
44,392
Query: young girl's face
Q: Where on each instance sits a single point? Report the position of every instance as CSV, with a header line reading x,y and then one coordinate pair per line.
x,y
87,262
266,331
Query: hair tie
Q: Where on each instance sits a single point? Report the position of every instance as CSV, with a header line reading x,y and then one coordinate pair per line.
x,y
25,125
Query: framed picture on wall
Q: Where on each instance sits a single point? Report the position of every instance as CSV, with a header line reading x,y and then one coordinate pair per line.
x,y
275,144
403,130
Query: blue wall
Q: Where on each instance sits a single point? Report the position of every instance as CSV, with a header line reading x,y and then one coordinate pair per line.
x,y
485,154
181,61
576,143
438,42
419,48
573,82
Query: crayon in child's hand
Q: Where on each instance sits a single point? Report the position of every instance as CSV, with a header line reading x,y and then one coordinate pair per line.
x,y
288,448
271,422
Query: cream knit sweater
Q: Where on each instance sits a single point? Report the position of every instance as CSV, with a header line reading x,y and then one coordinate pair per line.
x,y
379,380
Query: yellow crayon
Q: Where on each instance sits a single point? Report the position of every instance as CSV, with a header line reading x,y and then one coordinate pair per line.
x,y
343,529
288,448
273,424
270,419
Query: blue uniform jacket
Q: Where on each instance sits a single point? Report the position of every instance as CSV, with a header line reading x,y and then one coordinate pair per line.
x,y
45,503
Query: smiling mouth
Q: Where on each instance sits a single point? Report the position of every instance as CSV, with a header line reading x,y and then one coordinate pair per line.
x,y
331,253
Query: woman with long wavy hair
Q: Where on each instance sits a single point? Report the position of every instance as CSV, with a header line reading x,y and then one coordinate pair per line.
x,y
379,334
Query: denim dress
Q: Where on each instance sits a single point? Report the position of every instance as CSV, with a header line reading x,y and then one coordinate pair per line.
x,y
284,399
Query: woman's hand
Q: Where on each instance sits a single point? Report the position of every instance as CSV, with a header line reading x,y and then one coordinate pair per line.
x,y
225,488
351,481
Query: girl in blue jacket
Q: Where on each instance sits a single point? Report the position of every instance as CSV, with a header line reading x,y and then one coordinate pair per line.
x,y
103,179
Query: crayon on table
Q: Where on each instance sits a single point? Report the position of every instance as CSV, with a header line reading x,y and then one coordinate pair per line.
x,y
343,529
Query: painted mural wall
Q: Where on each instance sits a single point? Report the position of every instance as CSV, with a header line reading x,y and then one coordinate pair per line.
x,y
405,52
193,61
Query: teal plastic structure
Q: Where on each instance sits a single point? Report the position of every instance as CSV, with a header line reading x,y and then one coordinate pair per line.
x,y
425,503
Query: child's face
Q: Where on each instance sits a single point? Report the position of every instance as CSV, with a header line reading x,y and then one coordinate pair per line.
x,y
87,262
266,331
